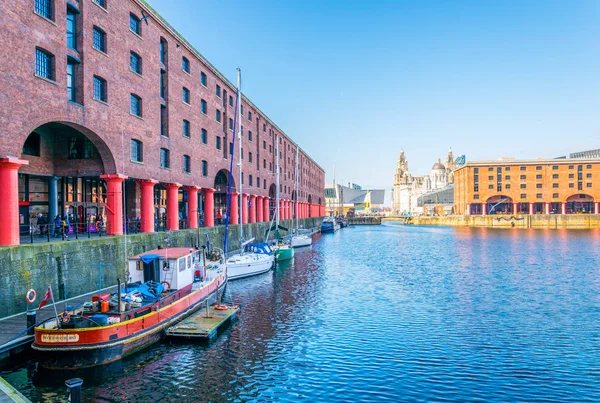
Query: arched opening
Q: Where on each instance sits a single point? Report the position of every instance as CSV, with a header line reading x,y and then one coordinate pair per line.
x,y
499,204
580,204
62,180
221,185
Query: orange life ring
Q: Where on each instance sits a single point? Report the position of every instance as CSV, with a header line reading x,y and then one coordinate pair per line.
x,y
30,298
221,307
168,285
66,317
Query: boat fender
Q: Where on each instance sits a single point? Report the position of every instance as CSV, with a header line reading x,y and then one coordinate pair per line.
x,y
167,284
30,296
66,317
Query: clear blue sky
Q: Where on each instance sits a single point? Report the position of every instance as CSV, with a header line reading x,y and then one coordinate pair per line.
x,y
354,82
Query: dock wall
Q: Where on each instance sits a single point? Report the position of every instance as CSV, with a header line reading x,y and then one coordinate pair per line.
x,y
68,265
364,221
548,221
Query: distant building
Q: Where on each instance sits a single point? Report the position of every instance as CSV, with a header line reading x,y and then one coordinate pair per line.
x,y
340,199
408,188
439,201
544,186
586,154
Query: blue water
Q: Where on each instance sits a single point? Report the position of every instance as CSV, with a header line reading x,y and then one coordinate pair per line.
x,y
389,313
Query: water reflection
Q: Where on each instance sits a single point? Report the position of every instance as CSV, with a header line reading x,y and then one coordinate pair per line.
x,y
388,313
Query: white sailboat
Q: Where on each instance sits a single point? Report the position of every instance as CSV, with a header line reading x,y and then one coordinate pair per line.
x,y
298,240
254,258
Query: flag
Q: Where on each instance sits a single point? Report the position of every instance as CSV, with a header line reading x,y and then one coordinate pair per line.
x,y
46,298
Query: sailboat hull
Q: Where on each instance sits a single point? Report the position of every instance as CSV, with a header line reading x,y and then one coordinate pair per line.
x,y
300,241
284,253
242,266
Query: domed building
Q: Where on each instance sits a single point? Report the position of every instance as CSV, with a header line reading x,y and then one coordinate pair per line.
x,y
408,188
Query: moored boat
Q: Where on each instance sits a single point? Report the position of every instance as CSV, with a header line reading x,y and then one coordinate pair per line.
x,y
329,224
256,258
166,285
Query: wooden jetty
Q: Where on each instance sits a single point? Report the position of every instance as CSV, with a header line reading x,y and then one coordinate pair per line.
x,y
204,324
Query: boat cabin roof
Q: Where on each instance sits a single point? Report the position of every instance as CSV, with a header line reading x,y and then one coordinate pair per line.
x,y
170,253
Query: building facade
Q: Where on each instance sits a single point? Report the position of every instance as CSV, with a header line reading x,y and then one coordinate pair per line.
x,y
408,188
556,186
339,200
110,114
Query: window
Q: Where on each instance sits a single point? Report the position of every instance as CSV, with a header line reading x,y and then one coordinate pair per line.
x,y
163,51
490,178
203,79
571,185
265,128
249,135
264,184
249,115
555,185
218,90
32,145
555,167
230,124
135,24
249,157
249,180
538,168
579,168
185,64
218,142
588,176
71,28
571,176
44,64
45,8
538,196
523,186
186,128
507,168
163,83
579,186
507,186
230,148
491,187
523,196
136,151
99,40
204,168
507,177
538,177
490,169
101,3
588,167
555,195
218,115
135,62
100,89
185,95
571,166
164,158
135,105
80,148
589,185
203,136
265,164
523,168
476,187
203,107
264,145
72,84
538,186
230,101
475,170
164,122
476,178
555,176
187,164
257,182
476,197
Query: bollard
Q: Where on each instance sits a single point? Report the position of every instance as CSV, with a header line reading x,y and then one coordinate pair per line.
x,y
74,390
31,316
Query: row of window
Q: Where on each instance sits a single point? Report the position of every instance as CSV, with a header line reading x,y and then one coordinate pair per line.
x,y
539,177
524,196
537,168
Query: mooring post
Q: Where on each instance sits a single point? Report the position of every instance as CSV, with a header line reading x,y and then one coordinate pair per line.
x,y
31,316
74,390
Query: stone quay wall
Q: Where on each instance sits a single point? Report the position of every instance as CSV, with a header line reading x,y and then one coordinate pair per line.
x,y
68,266
541,221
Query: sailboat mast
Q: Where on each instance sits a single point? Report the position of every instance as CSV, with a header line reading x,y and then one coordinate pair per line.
x,y
296,189
277,182
239,134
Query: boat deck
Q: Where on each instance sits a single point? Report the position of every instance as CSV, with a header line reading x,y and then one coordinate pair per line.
x,y
204,324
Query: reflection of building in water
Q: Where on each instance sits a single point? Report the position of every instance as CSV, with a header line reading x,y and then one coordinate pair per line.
x,y
408,188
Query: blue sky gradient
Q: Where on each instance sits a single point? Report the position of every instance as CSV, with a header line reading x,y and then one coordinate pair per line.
x,y
354,82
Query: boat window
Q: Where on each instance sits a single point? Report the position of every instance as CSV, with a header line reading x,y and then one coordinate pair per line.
x,y
189,261
182,264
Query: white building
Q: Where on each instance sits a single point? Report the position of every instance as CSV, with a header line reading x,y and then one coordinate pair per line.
x,y
408,188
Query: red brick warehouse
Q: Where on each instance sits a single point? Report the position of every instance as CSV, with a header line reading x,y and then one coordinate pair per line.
x,y
103,97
